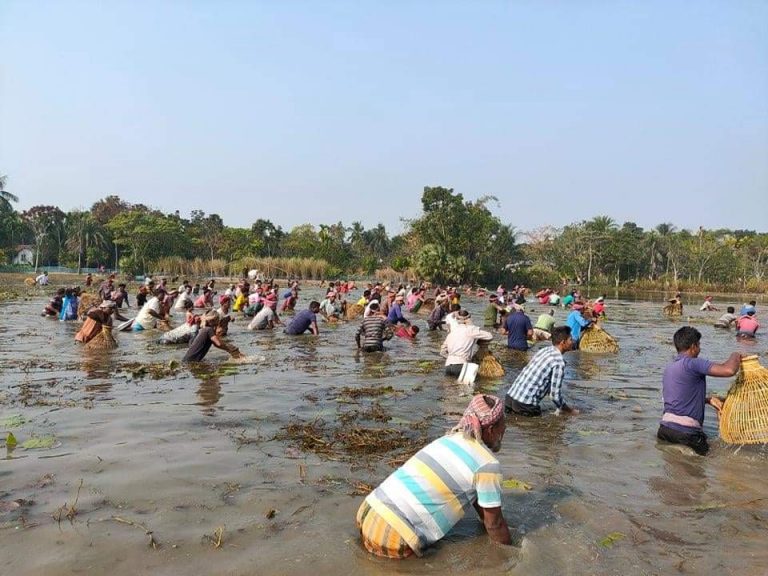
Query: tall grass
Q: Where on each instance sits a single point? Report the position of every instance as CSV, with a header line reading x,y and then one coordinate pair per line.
x,y
302,268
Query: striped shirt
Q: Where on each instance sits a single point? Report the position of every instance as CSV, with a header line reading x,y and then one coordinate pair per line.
x,y
426,497
543,374
374,330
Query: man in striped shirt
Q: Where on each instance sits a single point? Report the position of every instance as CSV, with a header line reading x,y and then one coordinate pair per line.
x,y
420,502
374,330
543,375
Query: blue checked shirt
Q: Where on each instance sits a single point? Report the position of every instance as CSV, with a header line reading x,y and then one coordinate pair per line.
x,y
544,373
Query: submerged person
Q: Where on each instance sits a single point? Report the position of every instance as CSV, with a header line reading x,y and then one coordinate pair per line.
x,y
96,317
53,308
543,375
728,319
684,389
305,320
460,342
577,322
708,306
418,504
266,318
542,330
374,329
519,329
152,311
69,305
407,332
207,337
186,331
747,325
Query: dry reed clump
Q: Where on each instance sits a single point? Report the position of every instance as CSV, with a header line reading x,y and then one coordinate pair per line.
x,y
673,309
597,340
744,417
85,302
302,268
344,442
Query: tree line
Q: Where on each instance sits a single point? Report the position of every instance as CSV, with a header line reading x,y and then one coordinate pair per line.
x,y
454,240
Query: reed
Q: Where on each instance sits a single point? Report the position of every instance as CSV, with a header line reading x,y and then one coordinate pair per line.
x,y
597,340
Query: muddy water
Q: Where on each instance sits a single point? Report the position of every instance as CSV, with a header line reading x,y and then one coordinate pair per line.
x,y
201,460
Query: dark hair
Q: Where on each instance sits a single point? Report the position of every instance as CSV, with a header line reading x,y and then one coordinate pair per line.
x,y
367,293
685,338
463,314
414,330
560,334
373,306
753,302
730,309
455,307
314,305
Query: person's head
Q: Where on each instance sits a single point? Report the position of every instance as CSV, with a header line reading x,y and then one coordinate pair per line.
x,y
374,307
107,305
455,307
751,312
463,317
687,339
561,338
314,306
60,292
414,330
493,298
188,305
730,309
483,420
399,299
331,296
224,301
121,286
551,311
367,294
753,302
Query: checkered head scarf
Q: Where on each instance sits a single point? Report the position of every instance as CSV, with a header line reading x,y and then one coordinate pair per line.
x,y
483,411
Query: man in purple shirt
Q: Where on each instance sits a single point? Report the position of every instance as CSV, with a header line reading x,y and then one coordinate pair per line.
x,y
684,388
305,320
395,313
519,329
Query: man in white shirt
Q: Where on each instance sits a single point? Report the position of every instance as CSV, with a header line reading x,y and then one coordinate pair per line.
x,y
460,342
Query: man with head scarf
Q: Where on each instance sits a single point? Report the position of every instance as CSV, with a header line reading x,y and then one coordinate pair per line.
x,y
420,502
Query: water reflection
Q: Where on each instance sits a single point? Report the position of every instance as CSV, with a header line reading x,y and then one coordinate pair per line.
x,y
209,389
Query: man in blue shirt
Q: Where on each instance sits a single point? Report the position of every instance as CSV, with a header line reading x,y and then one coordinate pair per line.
x,y
684,388
577,323
305,320
519,329
395,313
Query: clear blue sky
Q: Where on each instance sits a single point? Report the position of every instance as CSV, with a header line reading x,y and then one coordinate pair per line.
x,y
309,111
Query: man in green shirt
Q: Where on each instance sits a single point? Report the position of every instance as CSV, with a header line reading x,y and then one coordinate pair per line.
x,y
491,317
542,330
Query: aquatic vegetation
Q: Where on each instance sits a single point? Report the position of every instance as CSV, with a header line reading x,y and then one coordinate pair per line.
x,y
611,539
515,484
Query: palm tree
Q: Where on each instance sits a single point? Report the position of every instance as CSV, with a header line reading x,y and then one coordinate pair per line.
x,y
83,232
5,196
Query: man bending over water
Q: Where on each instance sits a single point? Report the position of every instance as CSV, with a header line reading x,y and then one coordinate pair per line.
x,y
684,388
419,503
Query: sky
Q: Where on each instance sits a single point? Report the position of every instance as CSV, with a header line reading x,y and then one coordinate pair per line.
x,y
319,112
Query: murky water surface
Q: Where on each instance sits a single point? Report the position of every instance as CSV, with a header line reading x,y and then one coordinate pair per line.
x,y
203,460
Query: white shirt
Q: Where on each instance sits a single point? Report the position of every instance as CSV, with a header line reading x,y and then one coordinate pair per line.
x,y
183,297
144,318
460,341
42,280
261,319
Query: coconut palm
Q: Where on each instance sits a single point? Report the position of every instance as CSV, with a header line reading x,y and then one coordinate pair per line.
x,y
5,196
83,232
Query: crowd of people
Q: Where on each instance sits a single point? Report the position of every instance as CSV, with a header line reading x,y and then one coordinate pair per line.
x,y
420,502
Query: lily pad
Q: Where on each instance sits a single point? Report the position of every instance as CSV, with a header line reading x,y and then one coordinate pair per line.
x,y
515,484
14,421
40,443
611,539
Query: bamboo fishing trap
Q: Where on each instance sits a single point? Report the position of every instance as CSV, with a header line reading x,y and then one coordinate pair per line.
x,y
354,310
490,367
598,340
744,417
103,340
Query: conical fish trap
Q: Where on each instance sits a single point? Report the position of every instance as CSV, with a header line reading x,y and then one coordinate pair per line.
x,y
593,340
744,417
354,311
490,367
427,306
30,282
103,340
674,309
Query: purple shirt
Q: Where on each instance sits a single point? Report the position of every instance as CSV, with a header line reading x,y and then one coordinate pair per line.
x,y
395,314
518,325
684,388
301,322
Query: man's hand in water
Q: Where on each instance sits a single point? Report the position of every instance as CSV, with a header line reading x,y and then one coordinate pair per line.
x,y
715,402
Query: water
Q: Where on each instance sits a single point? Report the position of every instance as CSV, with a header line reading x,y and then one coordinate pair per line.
x,y
189,453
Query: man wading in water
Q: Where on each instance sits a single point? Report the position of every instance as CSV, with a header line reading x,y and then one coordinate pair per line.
x,y
420,502
684,389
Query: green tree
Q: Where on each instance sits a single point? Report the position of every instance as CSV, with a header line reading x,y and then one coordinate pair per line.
x,y
41,221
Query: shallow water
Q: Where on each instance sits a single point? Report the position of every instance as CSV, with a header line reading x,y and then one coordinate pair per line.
x,y
188,453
